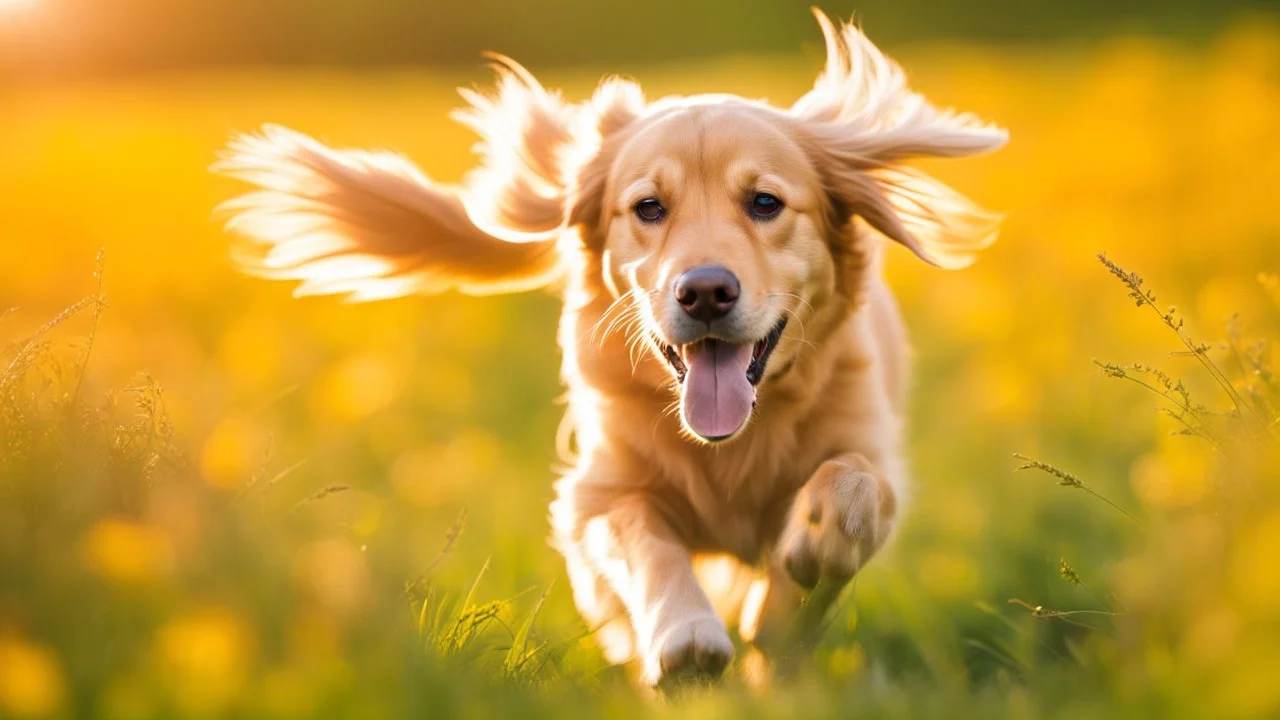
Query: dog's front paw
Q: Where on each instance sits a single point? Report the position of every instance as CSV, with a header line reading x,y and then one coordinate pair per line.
x,y
696,648
834,524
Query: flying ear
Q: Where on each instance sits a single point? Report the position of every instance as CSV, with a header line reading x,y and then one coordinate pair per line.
x,y
616,104
863,121
938,224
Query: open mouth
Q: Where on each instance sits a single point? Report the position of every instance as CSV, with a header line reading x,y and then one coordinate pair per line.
x,y
718,381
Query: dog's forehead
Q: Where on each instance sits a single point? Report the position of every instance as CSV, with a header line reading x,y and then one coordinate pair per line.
x,y
703,138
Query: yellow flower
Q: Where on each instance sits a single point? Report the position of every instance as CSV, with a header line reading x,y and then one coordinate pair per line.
x,y
360,386
948,574
233,451
31,683
205,657
127,552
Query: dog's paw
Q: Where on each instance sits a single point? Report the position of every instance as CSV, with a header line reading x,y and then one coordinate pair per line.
x,y
833,525
696,648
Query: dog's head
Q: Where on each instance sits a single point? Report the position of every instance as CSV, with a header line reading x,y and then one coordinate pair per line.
x,y
727,225
715,227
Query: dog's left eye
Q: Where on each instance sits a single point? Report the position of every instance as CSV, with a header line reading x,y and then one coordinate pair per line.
x,y
764,206
650,210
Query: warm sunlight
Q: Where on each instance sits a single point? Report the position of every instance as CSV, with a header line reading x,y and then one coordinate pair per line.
x,y
221,500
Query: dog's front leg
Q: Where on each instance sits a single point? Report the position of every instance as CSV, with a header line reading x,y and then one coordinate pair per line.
x,y
839,519
677,631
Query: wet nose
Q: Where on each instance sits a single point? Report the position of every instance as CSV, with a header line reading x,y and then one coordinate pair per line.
x,y
708,292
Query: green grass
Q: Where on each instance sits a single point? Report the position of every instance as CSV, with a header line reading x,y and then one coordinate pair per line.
x,y
423,644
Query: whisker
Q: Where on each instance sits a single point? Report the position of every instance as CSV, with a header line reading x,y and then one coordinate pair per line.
x,y
605,315
803,339
628,324
635,342
673,408
792,295
620,306
627,319
806,343
624,320
670,410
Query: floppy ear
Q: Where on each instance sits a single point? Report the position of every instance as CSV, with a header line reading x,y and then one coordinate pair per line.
x,y
371,225
863,121
616,104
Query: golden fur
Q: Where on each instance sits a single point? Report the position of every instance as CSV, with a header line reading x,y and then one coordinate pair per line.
x,y
810,487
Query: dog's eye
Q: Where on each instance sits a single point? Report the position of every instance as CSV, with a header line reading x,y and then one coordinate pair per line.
x,y
650,210
764,206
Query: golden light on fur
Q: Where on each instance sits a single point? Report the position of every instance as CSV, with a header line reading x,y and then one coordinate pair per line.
x,y
768,432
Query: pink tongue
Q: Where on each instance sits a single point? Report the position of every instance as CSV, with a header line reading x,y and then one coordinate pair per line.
x,y
717,394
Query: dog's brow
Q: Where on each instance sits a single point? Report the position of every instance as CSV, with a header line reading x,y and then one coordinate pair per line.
x,y
660,178
669,176
748,176
743,174
637,191
775,184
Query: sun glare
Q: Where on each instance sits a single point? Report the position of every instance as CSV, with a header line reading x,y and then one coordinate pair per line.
x,y
14,6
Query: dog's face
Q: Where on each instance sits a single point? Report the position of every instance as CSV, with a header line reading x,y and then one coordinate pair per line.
x,y
716,225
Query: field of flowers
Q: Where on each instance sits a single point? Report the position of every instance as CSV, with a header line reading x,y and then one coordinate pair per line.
x,y
216,500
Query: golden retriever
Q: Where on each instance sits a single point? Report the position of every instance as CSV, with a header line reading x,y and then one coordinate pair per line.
x,y
735,364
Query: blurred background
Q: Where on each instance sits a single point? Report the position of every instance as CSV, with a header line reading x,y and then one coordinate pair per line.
x,y
89,38
217,500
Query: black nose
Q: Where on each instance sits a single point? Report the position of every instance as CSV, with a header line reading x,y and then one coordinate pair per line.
x,y
707,293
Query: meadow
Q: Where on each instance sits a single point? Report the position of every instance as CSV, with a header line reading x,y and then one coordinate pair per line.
x,y
219,501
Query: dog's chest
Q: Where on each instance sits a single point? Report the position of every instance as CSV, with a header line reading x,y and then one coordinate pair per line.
x,y
739,507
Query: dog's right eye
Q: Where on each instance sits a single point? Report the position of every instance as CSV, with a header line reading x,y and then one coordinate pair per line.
x,y
650,210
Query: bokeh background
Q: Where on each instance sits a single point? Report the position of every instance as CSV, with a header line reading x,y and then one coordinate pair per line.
x,y
218,501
